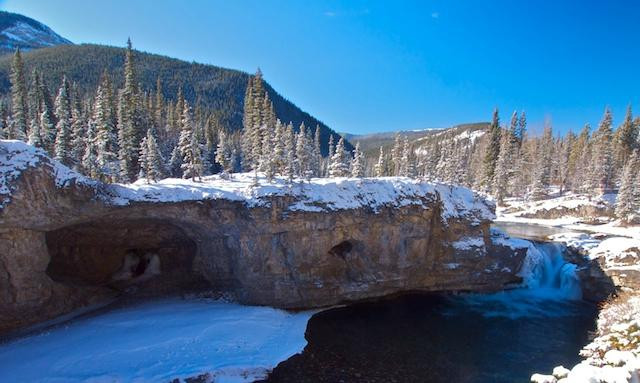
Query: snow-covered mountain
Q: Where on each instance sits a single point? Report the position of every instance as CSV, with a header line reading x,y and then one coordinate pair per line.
x,y
18,31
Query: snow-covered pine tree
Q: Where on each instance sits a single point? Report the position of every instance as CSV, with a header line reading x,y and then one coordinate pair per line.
x,y
492,151
522,128
106,140
154,160
130,121
77,133
626,203
19,108
62,148
339,166
279,144
175,163
357,166
602,156
142,160
317,153
505,164
267,159
396,156
224,154
290,153
542,169
90,156
35,138
47,128
332,150
380,169
625,140
192,160
304,153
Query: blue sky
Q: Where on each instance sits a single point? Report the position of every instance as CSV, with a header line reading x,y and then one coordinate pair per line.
x,y
366,66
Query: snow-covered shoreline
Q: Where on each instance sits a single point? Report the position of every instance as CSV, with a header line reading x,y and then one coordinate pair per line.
x,y
613,356
148,342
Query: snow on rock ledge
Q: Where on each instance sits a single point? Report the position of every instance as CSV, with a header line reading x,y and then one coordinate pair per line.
x,y
17,156
316,195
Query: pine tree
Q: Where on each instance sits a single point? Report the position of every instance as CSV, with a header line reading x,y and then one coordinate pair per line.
x,y
175,162
47,129
106,140
34,134
317,153
77,135
626,139
396,156
339,166
279,151
493,150
150,158
304,153
19,109
130,120
602,158
626,203
192,162
142,160
380,169
224,154
522,129
357,166
62,148
542,169
189,147
90,156
504,165
290,153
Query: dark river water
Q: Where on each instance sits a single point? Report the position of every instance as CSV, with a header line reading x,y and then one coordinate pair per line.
x,y
432,338
491,338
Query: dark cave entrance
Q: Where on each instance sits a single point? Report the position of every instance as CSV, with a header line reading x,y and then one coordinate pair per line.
x,y
121,253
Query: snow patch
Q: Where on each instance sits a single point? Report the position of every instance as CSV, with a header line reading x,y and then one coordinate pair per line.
x,y
150,343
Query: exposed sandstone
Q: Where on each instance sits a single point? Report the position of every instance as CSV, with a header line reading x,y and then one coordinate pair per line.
x,y
62,244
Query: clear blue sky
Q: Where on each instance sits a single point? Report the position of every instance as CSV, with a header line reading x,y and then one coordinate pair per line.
x,y
387,65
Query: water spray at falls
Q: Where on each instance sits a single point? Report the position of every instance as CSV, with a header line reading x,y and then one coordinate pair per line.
x,y
550,288
546,273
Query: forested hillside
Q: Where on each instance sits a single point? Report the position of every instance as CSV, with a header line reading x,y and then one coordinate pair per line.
x,y
219,90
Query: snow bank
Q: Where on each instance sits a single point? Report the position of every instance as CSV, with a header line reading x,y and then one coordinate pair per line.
x,y
17,156
150,343
318,194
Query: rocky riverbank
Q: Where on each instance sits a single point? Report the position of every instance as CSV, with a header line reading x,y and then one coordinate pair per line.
x,y
67,241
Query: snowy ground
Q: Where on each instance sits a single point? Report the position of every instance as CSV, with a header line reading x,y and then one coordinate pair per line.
x,y
317,194
150,343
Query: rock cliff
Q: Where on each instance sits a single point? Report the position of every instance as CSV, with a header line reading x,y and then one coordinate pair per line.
x,y
67,241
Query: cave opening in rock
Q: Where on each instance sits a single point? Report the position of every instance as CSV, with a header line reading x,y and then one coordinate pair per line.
x,y
121,253
342,249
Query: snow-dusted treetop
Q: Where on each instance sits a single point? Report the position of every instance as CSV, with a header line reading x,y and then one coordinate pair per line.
x,y
316,195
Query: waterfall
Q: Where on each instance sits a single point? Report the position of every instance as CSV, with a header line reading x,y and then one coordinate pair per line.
x,y
546,273
550,288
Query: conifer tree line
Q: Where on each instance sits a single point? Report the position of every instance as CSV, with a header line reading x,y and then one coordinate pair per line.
x,y
122,135
126,134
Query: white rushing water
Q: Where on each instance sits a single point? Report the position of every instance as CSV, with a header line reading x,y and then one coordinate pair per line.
x,y
551,287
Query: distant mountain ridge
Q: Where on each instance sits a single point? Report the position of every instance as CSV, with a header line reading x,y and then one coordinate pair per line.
x,y
18,31
371,143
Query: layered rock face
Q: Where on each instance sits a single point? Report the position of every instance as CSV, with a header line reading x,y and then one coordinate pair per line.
x,y
67,242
